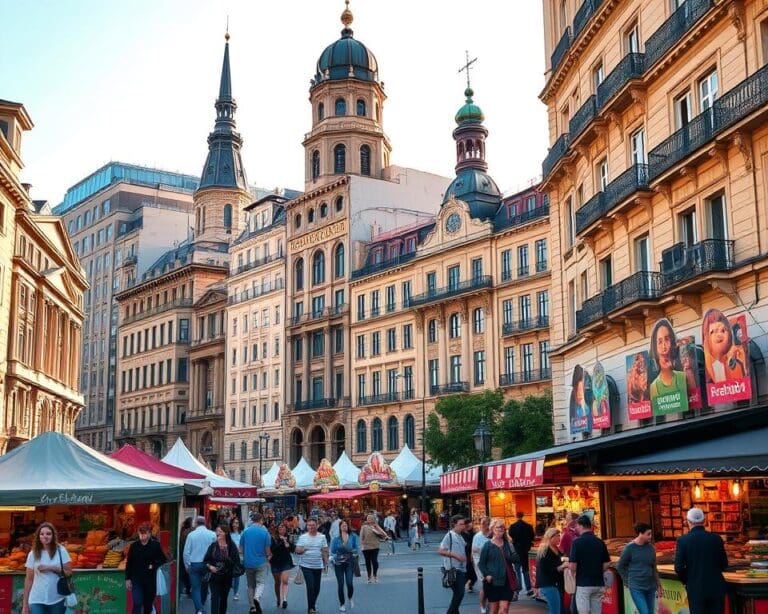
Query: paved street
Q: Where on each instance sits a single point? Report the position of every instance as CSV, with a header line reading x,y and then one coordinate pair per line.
x,y
396,591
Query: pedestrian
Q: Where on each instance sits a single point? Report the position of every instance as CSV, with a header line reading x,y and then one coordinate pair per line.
x,y
390,527
413,530
301,523
569,533
236,532
313,548
194,552
324,527
333,531
589,559
637,568
549,570
256,543
478,541
700,560
453,551
186,527
424,517
45,564
497,566
220,560
344,549
281,562
522,539
468,534
371,536
141,564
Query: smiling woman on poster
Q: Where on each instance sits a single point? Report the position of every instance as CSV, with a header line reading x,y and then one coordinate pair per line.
x,y
723,359
669,391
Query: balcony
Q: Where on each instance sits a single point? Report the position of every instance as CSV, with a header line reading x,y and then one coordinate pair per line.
x,y
316,316
379,399
633,180
583,15
642,286
556,152
248,266
541,266
708,256
524,326
250,293
376,267
674,28
438,294
523,271
204,414
178,303
525,377
732,107
560,50
217,336
582,118
454,388
630,68
129,260
521,218
321,404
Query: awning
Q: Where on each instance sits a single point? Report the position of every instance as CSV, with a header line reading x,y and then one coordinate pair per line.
x,y
520,474
461,480
745,452
350,494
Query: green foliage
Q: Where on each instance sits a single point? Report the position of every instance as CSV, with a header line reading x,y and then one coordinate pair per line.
x,y
448,438
525,426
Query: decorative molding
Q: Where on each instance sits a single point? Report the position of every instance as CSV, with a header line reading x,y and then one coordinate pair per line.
x,y
616,119
634,325
622,219
639,96
692,175
743,141
720,153
665,190
727,288
692,301
738,18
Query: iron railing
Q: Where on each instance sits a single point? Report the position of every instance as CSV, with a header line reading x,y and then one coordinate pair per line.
x,y
317,404
375,267
378,399
523,271
583,117
476,283
506,274
673,29
557,151
250,293
525,377
320,314
521,326
453,388
256,263
561,49
584,14
634,179
178,303
631,66
708,256
642,286
521,218
541,266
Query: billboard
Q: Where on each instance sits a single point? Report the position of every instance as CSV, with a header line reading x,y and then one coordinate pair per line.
x,y
601,411
669,389
579,409
726,358
638,381
686,350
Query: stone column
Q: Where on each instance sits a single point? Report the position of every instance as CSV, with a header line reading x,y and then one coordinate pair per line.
x,y
305,358
40,336
467,366
289,379
65,351
492,350
444,372
328,353
421,371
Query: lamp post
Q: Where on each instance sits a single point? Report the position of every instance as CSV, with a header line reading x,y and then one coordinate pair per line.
x,y
482,437
424,506
263,443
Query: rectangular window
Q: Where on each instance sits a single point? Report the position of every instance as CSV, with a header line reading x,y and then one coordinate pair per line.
x,y
431,282
183,329
584,285
392,376
542,301
361,306
682,110
718,226
318,305
523,264
338,390
506,309
407,336
477,268
361,387
479,368
637,147
361,346
181,375
525,308
632,39
541,255
598,75
509,360
391,340
544,356
642,254
408,382
506,265
318,344
376,383
454,277
434,374
338,300
602,174
298,348
571,307
338,340
570,229
375,343
455,369
707,91
687,221
390,299
318,389
375,306
606,272
526,353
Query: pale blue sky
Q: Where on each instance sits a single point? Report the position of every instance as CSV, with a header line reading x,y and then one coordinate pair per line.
x,y
136,81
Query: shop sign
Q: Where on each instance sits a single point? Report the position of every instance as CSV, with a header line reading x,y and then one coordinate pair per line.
x,y
601,412
323,234
669,389
234,492
65,498
461,480
326,477
581,397
284,479
638,399
524,474
102,592
376,470
726,358
674,599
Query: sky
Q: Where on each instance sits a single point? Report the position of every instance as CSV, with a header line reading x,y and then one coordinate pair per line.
x,y
136,82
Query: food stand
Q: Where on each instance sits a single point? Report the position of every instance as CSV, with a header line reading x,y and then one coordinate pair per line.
x,y
462,493
95,503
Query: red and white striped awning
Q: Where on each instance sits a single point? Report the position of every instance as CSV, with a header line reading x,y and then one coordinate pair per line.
x,y
522,474
461,480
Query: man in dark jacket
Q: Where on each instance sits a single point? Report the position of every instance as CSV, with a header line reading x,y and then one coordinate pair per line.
x,y
522,537
700,560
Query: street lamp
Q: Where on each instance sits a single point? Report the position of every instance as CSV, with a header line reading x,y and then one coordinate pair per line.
x,y
263,443
423,446
482,437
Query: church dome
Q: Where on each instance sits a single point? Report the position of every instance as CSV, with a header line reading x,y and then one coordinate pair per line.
x,y
470,113
347,57
478,189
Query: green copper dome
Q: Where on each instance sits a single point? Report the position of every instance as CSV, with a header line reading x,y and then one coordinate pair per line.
x,y
470,113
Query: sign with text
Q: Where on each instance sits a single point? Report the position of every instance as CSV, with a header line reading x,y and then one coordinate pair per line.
x,y
726,358
669,389
523,474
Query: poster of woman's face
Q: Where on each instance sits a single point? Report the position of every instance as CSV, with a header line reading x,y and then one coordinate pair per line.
x,y
579,410
669,390
686,348
601,415
638,380
726,357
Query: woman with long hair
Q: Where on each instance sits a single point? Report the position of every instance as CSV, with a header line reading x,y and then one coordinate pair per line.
x,y
46,563
236,532
144,557
220,559
497,564
371,535
549,570
344,549
281,562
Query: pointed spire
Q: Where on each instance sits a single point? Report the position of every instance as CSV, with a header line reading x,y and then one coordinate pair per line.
x,y
225,89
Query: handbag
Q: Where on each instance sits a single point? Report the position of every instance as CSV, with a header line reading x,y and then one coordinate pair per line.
x,y
357,571
162,585
237,569
299,577
570,581
66,585
449,575
512,579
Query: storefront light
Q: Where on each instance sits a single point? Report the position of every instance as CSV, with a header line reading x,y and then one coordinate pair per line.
x,y
696,490
736,488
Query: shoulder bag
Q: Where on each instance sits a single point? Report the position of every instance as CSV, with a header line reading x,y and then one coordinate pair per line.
x,y
512,579
66,585
449,575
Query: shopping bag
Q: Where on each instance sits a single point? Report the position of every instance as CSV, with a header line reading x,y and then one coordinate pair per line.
x,y
299,578
70,600
570,581
162,585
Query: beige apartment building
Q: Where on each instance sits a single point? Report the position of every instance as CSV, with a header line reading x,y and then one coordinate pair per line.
x,y
657,184
256,349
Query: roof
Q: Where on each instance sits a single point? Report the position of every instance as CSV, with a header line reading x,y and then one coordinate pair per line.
x,y
346,58
184,254
478,189
131,455
56,469
346,470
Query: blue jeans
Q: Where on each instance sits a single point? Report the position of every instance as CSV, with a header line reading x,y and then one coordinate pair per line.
x,y
645,601
523,574
458,593
199,588
312,580
41,608
345,574
235,585
142,597
552,595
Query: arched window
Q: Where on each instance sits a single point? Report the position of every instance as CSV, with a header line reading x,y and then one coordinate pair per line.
x,y
478,320
339,159
320,112
310,216
454,326
228,218
432,331
341,106
338,261
392,435
318,267
297,221
377,111
410,431
243,451
324,210
232,451
299,274
365,160
255,449
315,164
339,203
361,107
376,435
275,447
361,445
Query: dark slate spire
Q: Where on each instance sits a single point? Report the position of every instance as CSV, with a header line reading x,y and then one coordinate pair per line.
x,y
224,166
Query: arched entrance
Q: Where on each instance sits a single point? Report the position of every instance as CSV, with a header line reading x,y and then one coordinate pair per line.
x,y
317,446
297,441
338,442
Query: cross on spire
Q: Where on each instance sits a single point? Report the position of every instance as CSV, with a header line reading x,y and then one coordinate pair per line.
x,y
467,66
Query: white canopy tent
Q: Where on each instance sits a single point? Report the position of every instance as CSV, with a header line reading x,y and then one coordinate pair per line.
x,y
304,474
268,479
347,472
407,467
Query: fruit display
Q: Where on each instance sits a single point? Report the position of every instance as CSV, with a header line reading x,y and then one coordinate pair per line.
x,y
15,561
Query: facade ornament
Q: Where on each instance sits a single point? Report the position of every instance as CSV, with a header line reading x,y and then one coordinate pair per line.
x,y
665,190
638,96
743,141
720,153
693,176
737,14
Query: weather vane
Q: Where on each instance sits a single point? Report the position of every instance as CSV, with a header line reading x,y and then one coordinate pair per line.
x,y
467,66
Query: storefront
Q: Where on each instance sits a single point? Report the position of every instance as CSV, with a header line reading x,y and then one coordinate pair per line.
x,y
462,493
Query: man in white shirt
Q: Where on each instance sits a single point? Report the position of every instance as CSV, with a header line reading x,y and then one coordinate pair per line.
x,y
194,552
390,526
478,541
335,523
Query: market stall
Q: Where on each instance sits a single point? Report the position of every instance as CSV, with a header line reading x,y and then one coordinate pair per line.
x,y
347,471
95,503
462,493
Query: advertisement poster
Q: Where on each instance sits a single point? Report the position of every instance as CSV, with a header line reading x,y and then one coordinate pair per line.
x,y
638,395
284,479
726,358
669,389
102,592
579,408
673,601
326,477
601,412
686,349
376,471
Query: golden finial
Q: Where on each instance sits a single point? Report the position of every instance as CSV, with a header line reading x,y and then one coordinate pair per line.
x,y
226,34
346,16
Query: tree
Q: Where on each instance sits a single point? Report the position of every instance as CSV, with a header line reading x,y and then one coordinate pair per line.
x,y
448,438
525,426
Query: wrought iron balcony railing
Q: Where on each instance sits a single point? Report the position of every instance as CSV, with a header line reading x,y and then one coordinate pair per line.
x,y
256,263
708,256
584,14
378,399
320,314
506,274
556,152
631,66
541,266
523,270
318,404
522,326
476,283
525,377
521,218
583,117
454,388
250,293
178,303
642,286
561,49
673,29
375,267
634,179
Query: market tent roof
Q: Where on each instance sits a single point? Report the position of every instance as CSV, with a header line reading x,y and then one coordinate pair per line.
x,y
346,470
733,453
56,469
350,494
131,455
407,467
270,476
304,474
180,456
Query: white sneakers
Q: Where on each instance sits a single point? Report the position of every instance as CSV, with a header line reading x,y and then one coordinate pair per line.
x,y
342,608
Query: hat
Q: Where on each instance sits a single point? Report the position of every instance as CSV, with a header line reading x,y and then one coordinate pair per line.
x,y
696,515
